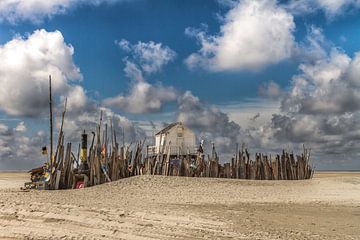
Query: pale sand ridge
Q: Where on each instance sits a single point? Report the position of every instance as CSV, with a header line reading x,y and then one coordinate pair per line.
x,y
158,207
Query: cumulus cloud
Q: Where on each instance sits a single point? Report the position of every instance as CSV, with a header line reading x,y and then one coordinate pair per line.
x,y
322,106
210,124
314,47
270,90
326,87
21,127
332,138
331,8
25,64
144,97
253,35
334,6
14,11
77,99
133,72
321,109
19,151
150,56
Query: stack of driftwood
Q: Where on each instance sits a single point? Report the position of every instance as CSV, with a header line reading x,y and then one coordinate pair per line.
x,y
283,167
108,162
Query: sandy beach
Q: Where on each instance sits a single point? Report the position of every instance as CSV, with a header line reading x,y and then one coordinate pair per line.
x,y
158,207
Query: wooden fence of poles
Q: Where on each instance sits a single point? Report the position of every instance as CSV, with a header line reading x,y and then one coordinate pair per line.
x,y
286,166
108,161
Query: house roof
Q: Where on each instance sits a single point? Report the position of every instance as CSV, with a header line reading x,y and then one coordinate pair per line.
x,y
168,127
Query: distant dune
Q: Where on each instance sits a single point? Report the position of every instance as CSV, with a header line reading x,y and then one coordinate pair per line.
x,y
158,207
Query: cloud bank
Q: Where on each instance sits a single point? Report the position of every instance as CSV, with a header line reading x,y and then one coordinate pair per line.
x,y
14,11
320,109
254,34
19,151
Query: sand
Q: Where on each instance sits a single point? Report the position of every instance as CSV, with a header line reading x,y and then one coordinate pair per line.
x,y
157,207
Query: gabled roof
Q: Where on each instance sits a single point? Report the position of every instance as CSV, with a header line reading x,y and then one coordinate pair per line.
x,y
168,127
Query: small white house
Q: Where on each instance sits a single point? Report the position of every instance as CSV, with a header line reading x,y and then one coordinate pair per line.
x,y
178,137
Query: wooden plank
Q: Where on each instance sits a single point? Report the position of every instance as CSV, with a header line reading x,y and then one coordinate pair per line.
x,y
57,179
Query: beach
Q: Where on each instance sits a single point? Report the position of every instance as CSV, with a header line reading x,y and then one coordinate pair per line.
x,y
159,207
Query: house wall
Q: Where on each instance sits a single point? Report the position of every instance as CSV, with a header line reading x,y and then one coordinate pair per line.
x,y
182,140
158,138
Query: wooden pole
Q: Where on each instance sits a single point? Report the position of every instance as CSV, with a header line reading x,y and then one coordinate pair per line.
x,y
61,128
51,125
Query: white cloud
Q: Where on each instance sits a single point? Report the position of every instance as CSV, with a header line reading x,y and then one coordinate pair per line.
x,y
133,72
326,87
150,56
314,47
246,112
270,90
32,10
143,97
26,62
21,127
331,8
76,98
321,110
18,151
35,11
354,71
254,34
4,130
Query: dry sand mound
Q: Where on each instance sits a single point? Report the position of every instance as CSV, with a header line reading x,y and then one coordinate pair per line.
x,y
158,207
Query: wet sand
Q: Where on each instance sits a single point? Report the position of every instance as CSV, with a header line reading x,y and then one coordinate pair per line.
x,y
157,207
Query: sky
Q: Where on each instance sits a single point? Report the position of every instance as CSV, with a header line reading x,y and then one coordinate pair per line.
x,y
268,74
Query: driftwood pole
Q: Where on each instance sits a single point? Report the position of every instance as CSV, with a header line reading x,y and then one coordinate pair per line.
x,y
61,133
51,126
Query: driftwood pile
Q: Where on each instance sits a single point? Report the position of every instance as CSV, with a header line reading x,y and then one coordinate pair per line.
x,y
283,167
109,162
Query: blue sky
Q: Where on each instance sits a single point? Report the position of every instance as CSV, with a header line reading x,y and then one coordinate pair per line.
x,y
286,58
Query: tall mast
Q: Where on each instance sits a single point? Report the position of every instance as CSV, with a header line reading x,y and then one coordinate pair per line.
x,y
51,125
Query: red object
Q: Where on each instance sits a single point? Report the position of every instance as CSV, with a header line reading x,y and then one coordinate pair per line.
x,y
79,184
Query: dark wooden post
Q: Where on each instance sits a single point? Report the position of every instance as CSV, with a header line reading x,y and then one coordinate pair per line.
x,y
51,126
